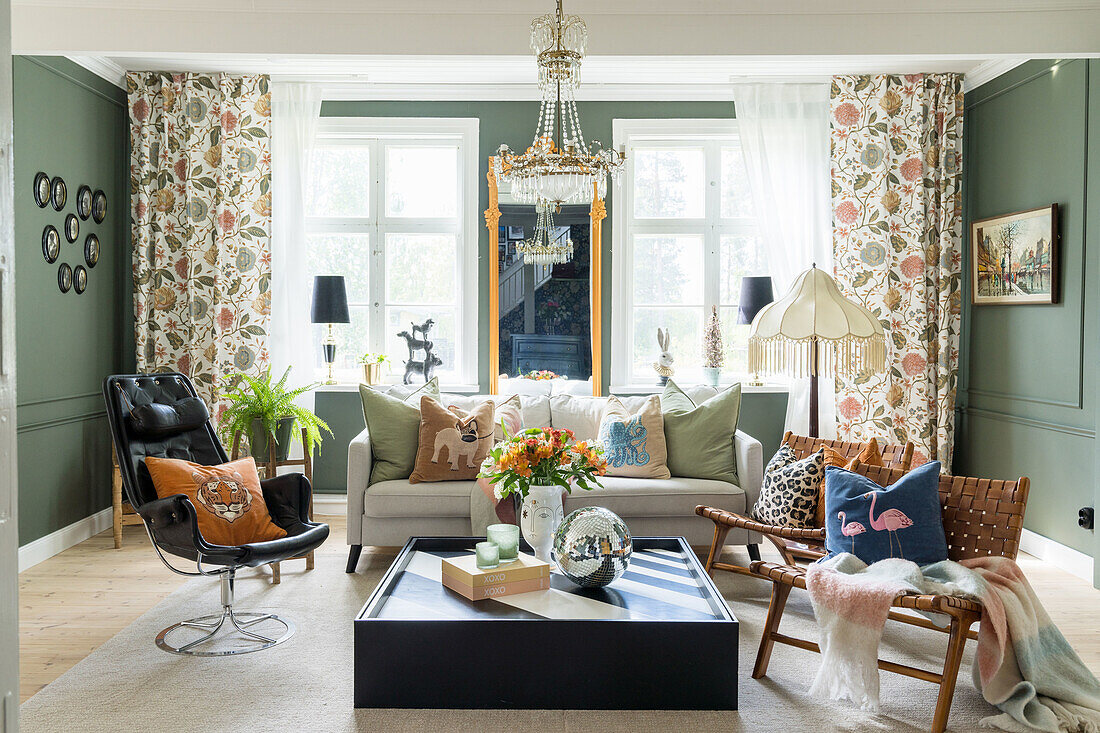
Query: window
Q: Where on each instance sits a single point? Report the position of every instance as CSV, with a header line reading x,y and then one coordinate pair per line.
x,y
391,205
683,237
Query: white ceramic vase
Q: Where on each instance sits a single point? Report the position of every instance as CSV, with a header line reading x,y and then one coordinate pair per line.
x,y
711,375
539,517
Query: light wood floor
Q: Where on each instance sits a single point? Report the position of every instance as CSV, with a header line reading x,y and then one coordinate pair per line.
x,y
77,600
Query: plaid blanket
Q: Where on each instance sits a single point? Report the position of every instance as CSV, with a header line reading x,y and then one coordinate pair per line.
x,y
1024,666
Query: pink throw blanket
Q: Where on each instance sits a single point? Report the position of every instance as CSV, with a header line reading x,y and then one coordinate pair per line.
x,y
1024,665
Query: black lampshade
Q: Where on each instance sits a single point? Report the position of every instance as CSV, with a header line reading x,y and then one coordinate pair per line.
x,y
330,300
756,292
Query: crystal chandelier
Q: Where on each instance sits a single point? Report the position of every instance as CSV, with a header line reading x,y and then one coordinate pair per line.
x,y
559,167
543,248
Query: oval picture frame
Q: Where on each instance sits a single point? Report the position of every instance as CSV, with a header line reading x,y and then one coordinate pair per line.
x,y
64,277
42,189
59,193
72,228
99,206
91,250
84,202
51,244
80,279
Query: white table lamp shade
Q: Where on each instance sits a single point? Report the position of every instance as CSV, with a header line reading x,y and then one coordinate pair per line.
x,y
814,330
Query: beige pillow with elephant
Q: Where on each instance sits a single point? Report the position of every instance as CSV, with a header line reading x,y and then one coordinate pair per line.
x,y
634,444
453,442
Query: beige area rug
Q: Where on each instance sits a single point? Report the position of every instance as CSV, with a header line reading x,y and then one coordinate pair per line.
x,y
306,684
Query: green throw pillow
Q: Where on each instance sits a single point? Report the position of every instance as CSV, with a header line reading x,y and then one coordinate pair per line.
x,y
394,427
699,438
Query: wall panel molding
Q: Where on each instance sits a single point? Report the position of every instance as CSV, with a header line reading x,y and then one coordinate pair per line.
x,y
1030,422
67,420
62,398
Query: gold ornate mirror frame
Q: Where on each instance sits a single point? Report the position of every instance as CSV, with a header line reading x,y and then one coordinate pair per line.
x,y
597,214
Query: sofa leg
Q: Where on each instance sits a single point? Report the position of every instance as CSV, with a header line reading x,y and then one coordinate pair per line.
x,y
353,557
754,551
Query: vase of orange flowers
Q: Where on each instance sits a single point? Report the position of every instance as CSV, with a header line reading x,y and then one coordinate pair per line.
x,y
537,465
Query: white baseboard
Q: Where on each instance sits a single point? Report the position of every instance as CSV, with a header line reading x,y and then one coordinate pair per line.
x,y
330,504
46,547
1072,561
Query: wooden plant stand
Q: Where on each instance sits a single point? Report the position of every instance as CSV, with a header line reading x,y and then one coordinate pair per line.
x,y
269,469
122,512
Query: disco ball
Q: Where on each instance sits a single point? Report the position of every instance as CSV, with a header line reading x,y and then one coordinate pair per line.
x,y
592,547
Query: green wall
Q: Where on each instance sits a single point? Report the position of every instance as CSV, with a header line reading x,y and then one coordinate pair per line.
x,y
71,123
514,123
1027,389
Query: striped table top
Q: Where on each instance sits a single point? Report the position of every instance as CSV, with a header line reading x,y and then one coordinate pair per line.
x,y
659,585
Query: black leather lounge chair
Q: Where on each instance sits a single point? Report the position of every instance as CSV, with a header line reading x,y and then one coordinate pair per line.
x,y
161,415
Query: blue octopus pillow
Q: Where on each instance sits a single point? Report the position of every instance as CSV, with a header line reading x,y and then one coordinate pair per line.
x,y
874,523
634,445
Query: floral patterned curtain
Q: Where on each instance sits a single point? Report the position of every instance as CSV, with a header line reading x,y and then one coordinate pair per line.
x,y
200,182
896,146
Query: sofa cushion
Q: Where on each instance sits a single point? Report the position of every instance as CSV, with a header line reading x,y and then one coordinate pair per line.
x,y
582,415
700,436
534,410
434,499
452,442
634,442
672,497
393,423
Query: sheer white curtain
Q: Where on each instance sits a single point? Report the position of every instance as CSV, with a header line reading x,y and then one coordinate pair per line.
x,y
784,130
295,112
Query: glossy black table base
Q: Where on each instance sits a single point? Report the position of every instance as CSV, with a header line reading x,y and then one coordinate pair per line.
x,y
660,637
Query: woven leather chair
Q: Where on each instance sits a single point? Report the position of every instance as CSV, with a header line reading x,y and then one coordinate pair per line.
x,y
161,415
981,517
793,544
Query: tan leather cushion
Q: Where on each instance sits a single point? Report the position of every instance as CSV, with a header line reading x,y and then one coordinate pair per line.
x,y
434,499
672,497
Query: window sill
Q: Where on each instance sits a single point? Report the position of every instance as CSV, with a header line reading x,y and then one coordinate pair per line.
x,y
767,388
354,387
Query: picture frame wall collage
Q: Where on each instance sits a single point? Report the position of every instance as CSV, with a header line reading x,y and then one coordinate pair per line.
x,y
53,192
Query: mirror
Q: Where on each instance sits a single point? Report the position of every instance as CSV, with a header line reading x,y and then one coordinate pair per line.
x,y
542,315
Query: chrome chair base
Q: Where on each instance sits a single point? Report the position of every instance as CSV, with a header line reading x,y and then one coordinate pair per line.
x,y
214,623
241,623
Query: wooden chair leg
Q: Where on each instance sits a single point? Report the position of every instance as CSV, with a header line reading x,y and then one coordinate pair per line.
x,y
309,561
716,545
116,506
780,591
276,573
956,644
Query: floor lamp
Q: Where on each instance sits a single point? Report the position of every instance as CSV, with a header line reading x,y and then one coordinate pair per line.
x,y
814,331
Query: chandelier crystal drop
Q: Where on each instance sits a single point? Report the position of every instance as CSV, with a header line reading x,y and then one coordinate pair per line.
x,y
543,248
559,167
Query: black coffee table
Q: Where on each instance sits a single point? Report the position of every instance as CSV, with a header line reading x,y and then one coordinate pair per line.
x,y
660,637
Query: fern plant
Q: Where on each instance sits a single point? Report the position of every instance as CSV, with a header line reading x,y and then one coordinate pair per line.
x,y
257,398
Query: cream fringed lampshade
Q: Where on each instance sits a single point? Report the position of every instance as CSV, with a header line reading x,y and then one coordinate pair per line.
x,y
814,331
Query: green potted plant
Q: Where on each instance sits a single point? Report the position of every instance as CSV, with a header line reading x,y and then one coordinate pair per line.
x,y
372,367
260,408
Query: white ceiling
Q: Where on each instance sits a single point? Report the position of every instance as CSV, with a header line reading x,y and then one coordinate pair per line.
x,y
470,49
512,77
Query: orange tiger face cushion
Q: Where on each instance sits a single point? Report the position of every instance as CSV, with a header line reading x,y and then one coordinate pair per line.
x,y
227,498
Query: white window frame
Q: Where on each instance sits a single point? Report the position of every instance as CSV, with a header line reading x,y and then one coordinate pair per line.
x,y
712,135
376,133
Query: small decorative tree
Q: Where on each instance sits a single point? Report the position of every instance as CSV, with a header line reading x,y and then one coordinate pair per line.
x,y
714,355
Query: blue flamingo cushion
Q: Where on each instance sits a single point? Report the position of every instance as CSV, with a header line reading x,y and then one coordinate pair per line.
x,y
874,523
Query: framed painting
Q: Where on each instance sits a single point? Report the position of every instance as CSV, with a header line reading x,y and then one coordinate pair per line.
x,y
1014,258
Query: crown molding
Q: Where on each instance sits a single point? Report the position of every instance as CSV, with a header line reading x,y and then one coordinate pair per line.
x,y
102,67
987,71
528,92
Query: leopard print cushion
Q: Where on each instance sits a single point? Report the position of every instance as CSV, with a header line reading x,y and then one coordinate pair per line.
x,y
788,497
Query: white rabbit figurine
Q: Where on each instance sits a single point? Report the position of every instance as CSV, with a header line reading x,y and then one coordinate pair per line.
x,y
663,365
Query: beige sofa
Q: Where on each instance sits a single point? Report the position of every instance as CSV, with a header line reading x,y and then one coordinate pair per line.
x,y
390,512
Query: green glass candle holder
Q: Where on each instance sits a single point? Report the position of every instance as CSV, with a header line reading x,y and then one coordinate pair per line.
x,y
488,555
506,537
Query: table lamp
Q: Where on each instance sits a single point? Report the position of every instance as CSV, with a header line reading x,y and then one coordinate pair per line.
x,y
815,331
330,305
756,292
